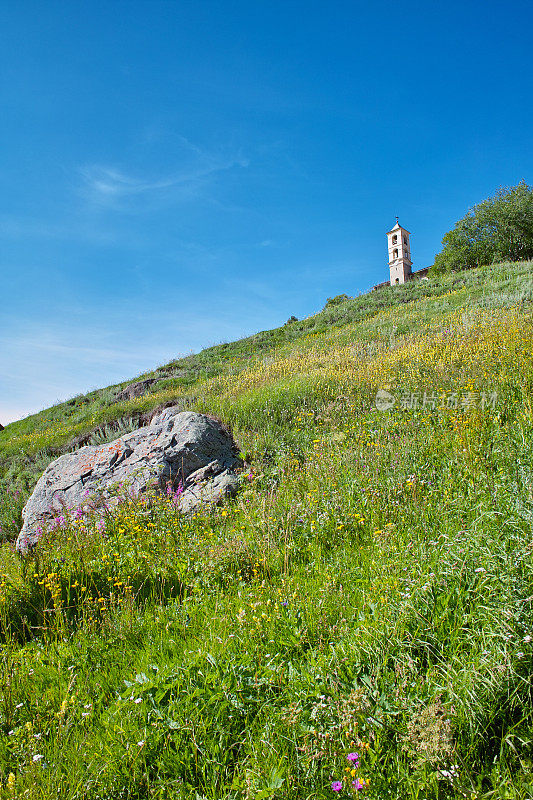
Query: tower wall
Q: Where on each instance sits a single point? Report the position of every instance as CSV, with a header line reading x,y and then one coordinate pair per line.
x,y
399,254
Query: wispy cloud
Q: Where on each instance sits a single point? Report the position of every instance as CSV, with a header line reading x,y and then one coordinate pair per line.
x,y
119,188
93,355
46,362
109,182
110,186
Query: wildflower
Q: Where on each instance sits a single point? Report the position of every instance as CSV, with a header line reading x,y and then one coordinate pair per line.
x,y
357,784
336,786
137,700
353,756
37,757
450,773
11,782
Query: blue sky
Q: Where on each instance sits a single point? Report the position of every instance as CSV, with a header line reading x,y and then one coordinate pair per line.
x,y
177,174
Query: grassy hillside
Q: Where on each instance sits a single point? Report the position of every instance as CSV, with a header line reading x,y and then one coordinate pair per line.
x,y
369,592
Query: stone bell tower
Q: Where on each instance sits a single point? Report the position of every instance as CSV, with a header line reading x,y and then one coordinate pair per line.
x,y
399,254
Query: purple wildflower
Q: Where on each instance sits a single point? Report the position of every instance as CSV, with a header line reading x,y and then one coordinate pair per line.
x,y
357,784
336,786
353,756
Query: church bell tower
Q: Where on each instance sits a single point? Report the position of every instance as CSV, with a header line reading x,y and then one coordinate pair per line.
x,y
399,254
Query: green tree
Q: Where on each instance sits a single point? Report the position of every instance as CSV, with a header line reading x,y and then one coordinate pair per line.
x,y
498,229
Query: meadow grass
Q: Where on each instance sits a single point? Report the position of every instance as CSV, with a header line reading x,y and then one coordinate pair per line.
x,y
368,592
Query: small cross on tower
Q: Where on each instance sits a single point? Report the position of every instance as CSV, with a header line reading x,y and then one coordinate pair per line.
x,y
399,254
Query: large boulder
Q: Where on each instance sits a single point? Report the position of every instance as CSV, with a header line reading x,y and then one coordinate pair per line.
x,y
185,452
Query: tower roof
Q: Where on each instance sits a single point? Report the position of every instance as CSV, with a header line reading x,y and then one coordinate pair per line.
x,y
398,227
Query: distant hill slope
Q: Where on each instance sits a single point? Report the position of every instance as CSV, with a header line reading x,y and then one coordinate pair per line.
x,y
357,621
28,445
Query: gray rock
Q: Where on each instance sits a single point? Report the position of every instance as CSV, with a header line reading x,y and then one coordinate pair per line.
x,y
178,449
136,389
197,494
